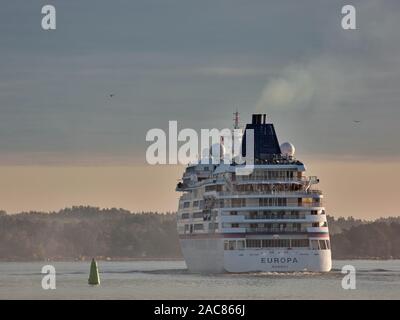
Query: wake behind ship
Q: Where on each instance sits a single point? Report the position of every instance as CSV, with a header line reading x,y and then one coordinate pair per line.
x,y
271,220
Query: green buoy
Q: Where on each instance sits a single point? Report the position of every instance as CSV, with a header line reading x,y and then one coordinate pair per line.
x,y
94,278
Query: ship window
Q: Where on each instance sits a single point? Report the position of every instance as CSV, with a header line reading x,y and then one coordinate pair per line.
x,y
195,203
235,225
314,245
286,243
328,244
265,243
232,244
307,200
241,244
197,215
211,188
278,243
322,245
186,204
213,226
297,227
238,202
186,227
299,243
253,243
201,204
185,216
226,245
272,202
198,226
282,243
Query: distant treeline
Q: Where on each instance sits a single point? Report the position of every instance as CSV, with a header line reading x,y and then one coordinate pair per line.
x,y
84,232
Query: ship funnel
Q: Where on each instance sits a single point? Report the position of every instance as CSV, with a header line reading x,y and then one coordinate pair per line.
x,y
259,119
266,144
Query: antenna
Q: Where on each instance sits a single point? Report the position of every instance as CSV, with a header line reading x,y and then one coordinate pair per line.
x,y
236,120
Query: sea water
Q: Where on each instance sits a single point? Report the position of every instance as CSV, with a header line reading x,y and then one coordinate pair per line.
x,y
170,280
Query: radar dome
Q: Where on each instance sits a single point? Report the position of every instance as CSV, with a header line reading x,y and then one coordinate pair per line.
x,y
287,149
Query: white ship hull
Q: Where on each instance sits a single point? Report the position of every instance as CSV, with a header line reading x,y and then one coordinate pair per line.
x,y
209,256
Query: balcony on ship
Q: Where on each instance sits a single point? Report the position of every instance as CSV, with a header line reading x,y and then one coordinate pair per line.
x,y
271,231
266,219
258,179
303,206
275,230
299,193
235,223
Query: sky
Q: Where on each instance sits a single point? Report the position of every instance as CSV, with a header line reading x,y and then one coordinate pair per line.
x,y
64,141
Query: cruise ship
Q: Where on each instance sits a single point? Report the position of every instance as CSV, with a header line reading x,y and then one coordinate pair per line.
x,y
271,220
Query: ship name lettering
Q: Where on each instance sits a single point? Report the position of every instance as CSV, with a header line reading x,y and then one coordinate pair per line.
x,y
279,260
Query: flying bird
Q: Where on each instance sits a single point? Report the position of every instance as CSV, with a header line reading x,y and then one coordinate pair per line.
x,y
356,121
112,95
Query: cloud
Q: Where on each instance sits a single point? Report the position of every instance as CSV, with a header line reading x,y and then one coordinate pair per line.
x,y
294,87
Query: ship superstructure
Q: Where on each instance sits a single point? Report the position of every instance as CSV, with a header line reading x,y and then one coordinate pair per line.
x,y
272,219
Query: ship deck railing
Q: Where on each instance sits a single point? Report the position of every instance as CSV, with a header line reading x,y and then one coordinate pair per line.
x,y
297,192
277,230
276,206
268,180
284,217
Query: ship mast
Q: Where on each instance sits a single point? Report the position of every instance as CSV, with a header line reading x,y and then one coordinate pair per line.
x,y
236,120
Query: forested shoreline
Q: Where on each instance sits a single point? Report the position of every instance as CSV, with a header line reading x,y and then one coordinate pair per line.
x,y
79,233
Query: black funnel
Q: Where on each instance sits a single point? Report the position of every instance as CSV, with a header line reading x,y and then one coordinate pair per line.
x,y
266,144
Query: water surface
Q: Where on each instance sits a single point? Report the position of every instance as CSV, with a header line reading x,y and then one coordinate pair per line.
x,y
171,280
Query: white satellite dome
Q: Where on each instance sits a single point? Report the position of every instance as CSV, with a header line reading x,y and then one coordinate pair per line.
x,y
288,149
217,148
